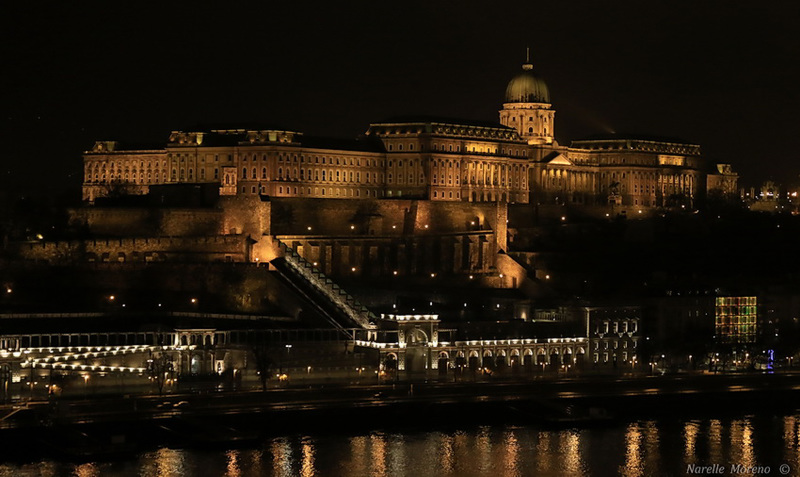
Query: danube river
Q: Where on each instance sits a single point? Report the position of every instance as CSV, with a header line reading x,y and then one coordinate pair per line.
x,y
742,445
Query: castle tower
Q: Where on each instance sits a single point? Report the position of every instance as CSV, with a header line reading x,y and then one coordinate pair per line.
x,y
527,107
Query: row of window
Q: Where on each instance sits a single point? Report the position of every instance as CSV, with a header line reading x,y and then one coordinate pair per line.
x,y
317,192
436,147
606,357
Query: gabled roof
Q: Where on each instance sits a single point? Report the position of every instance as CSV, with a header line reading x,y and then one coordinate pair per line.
x,y
560,160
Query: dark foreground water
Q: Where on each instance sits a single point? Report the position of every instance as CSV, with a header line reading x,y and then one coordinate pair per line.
x,y
638,448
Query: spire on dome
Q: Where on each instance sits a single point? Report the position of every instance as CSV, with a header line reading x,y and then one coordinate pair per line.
x,y
527,65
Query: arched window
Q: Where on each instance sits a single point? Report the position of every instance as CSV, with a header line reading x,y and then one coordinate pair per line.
x,y
244,173
263,172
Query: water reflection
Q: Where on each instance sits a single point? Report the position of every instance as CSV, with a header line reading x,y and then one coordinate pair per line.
x,y
378,455
638,448
634,467
307,460
398,456
690,431
281,452
571,445
164,463
446,451
233,465
87,470
715,443
511,454
791,440
542,448
741,442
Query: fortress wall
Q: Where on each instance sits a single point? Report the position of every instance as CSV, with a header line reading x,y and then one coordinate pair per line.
x,y
382,256
143,249
292,216
148,222
245,215
221,287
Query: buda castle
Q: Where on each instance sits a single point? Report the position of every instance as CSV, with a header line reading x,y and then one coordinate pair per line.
x,y
516,160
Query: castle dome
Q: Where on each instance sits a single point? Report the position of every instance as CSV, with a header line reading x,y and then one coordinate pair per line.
x,y
526,87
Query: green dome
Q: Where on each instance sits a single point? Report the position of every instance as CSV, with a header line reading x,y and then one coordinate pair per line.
x,y
527,88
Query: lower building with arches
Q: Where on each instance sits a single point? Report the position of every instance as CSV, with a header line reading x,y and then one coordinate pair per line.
x,y
415,344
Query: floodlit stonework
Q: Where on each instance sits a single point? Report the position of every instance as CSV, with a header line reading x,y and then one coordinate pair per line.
x,y
516,160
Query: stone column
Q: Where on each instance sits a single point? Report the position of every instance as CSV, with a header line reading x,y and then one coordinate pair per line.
x,y
458,254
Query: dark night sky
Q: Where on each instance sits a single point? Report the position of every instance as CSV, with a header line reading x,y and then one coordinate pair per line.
x,y
723,74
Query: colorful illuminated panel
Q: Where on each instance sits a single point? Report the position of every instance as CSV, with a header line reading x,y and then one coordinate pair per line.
x,y
736,319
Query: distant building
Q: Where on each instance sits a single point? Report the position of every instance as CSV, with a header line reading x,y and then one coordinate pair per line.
x,y
736,319
614,334
724,180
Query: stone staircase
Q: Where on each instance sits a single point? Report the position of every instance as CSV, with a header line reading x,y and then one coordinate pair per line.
x,y
336,304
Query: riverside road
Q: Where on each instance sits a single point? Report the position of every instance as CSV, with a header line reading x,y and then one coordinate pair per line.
x,y
606,391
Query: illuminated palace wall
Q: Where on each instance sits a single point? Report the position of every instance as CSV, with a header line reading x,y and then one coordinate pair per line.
x,y
446,160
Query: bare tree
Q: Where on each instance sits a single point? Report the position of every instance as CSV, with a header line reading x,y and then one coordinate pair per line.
x,y
160,368
263,362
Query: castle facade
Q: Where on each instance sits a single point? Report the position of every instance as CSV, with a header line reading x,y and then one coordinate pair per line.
x,y
516,160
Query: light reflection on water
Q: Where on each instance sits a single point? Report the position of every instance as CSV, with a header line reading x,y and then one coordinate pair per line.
x,y
791,440
636,449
